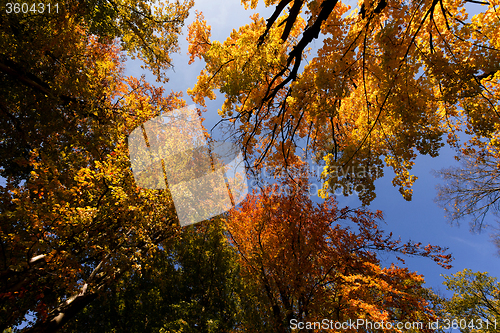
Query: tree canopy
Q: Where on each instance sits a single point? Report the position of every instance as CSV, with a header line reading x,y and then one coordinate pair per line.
x,y
314,261
475,304
72,221
471,191
388,82
191,286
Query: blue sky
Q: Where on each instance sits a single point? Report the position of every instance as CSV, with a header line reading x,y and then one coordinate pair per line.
x,y
420,220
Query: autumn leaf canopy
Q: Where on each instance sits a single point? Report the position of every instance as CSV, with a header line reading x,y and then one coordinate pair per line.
x,y
385,83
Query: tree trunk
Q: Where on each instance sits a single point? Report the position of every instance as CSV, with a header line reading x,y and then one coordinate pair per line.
x,y
63,313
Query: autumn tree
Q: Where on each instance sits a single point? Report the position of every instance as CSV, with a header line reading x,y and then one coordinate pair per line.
x,y
475,304
147,30
72,220
312,261
389,80
471,192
